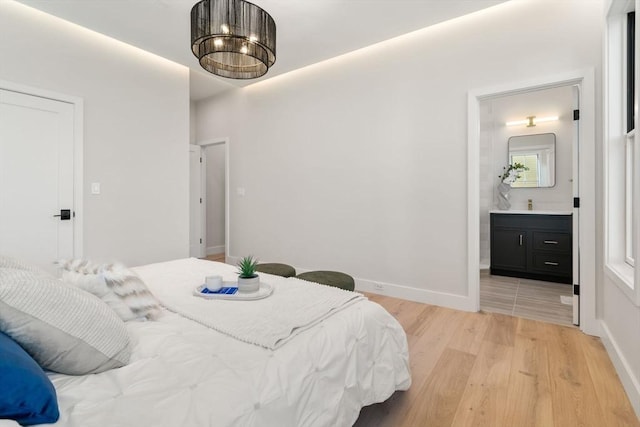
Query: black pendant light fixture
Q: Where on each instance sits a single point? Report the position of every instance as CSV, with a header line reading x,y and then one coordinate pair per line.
x,y
233,38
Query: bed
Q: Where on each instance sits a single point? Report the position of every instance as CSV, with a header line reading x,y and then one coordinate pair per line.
x,y
188,369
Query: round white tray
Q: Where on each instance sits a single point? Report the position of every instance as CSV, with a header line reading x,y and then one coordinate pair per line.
x,y
264,291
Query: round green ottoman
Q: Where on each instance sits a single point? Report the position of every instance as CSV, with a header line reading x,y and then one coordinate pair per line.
x,y
276,269
330,278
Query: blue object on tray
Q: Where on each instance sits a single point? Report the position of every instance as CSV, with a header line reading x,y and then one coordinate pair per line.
x,y
224,290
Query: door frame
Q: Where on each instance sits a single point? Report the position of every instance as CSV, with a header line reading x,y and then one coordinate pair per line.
x,y
227,220
202,211
587,231
78,153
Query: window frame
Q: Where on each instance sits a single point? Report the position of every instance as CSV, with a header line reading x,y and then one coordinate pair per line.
x,y
621,185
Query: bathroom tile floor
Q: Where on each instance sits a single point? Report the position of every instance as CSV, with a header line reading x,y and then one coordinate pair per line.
x,y
531,299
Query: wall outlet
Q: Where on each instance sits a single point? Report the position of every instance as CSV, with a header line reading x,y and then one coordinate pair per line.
x,y
378,286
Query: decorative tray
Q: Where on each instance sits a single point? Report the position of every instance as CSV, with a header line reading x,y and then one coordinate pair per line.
x,y
264,291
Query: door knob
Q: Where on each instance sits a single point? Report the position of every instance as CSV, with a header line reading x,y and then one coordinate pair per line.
x,y
65,214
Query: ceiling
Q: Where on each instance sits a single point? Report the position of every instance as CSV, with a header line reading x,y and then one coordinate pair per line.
x,y
309,31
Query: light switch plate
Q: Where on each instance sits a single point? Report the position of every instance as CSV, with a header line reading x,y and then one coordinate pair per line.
x,y
95,188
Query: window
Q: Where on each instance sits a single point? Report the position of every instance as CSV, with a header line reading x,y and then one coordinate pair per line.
x,y
622,157
629,167
531,176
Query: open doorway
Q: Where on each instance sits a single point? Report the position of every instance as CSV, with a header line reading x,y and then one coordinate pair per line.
x,y
526,234
210,202
583,207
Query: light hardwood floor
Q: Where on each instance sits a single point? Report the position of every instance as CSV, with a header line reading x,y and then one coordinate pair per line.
x,y
493,370
216,257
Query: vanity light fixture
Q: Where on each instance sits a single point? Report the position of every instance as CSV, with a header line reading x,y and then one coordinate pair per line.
x,y
233,38
532,121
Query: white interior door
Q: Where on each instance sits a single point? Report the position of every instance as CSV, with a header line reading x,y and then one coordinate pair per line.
x,y
196,237
36,178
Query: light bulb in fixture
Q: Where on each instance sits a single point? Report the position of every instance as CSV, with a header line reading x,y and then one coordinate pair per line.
x,y
517,122
224,28
532,121
218,42
244,50
253,38
546,119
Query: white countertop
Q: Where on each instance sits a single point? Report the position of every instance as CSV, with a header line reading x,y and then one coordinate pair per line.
x,y
533,212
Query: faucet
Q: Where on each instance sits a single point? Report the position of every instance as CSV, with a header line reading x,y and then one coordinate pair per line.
x,y
530,205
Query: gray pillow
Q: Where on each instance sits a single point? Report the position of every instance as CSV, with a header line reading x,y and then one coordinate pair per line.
x,y
65,329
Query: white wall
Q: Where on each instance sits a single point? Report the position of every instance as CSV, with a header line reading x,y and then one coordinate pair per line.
x,y
494,113
136,130
359,163
215,179
192,123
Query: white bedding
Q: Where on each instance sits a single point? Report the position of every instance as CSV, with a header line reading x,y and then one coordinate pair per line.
x,y
293,307
184,374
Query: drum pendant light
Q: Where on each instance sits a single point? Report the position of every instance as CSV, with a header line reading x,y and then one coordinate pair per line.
x,y
233,38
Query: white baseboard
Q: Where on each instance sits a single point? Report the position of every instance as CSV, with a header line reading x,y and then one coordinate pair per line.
x,y
629,381
214,250
456,302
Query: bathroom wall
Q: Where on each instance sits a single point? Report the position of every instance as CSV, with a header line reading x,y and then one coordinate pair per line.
x,y
494,136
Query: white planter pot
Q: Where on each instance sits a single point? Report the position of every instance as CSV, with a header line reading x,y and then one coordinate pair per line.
x,y
246,285
503,196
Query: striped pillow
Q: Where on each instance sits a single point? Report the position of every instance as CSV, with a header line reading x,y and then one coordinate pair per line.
x,y
118,286
132,290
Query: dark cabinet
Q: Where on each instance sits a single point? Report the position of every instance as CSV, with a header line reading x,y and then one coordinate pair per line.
x,y
533,246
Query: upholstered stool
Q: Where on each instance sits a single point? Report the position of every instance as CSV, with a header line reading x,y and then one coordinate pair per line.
x,y
330,278
276,269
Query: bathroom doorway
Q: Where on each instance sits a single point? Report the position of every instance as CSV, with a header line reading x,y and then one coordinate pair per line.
x,y
534,129
583,218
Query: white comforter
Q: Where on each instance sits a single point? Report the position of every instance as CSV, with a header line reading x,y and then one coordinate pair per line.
x,y
184,374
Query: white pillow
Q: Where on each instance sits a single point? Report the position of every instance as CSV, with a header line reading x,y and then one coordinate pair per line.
x,y
118,286
65,329
85,276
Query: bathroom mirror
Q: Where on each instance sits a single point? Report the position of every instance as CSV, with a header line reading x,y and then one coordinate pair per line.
x,y
538,153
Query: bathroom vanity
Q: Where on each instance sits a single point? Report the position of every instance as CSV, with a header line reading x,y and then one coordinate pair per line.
x,y
532,244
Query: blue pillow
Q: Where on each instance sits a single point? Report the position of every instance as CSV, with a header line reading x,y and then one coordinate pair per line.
x,y
26,393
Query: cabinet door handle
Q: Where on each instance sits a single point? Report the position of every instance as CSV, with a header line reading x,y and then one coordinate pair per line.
x,y
551,263
521,240
550,242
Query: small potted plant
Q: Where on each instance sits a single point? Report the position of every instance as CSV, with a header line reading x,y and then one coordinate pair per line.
x,y
248,279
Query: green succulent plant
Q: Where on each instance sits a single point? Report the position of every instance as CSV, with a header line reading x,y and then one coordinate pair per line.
x,y
247,267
